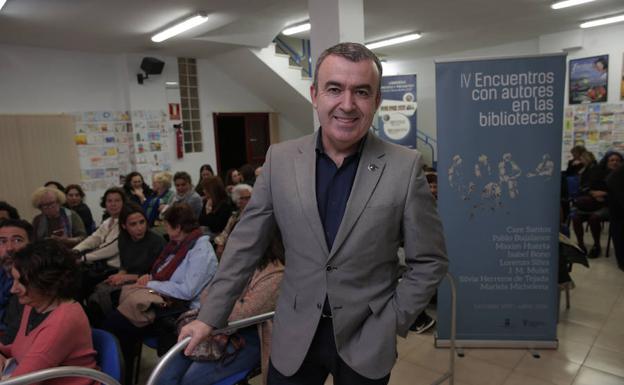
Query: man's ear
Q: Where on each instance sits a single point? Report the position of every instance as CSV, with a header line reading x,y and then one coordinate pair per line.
x,y
313,93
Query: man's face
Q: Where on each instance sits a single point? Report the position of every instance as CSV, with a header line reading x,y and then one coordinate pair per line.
x,y
12,239
182,186
345,101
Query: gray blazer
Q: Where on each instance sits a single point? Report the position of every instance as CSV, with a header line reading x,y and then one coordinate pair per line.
x,y
390,202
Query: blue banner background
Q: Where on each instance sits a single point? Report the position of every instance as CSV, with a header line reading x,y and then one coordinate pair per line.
x,y
499,195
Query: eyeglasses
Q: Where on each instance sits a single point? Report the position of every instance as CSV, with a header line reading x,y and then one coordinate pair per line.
x,y
15,241
45,206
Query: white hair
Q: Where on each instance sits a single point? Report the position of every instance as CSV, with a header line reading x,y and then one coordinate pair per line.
x,y
238,189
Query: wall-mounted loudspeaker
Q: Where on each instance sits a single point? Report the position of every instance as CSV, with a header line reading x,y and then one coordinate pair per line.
x,y
151,66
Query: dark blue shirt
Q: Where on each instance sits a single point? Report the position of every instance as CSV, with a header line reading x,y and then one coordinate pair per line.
x,y
333,187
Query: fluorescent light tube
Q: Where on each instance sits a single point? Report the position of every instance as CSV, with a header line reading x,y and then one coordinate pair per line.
x,y
296,29
179,28
569,3
607,20
2,2
394,40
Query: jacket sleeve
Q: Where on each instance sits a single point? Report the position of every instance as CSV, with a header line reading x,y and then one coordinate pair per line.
x,y
425,251
244,248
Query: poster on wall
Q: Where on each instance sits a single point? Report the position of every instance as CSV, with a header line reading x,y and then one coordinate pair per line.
x,y
396,116
499,128
589,79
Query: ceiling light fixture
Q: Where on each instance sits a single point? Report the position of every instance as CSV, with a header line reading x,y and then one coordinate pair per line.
x,y
394,40
569,3
177,29
607,20
297,28
2,2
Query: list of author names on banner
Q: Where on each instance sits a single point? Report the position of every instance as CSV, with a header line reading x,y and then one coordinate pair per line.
x,y
523,257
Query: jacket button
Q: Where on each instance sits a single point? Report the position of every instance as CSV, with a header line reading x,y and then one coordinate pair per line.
x,y
329,268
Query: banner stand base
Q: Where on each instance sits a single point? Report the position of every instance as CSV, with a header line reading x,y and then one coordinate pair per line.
x,y
497,344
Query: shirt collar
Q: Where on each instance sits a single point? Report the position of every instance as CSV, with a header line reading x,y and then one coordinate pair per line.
x,y
321,150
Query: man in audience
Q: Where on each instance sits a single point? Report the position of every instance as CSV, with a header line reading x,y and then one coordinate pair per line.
x,y
15,234
7,211
343,200
185,192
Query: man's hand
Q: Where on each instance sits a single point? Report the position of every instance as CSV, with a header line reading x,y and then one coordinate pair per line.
x,y
198,331
143,280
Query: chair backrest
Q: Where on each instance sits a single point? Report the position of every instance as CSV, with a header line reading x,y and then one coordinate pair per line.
x,y
108,353
574,186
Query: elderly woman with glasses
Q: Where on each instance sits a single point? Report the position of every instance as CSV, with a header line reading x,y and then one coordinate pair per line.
x,y
56,221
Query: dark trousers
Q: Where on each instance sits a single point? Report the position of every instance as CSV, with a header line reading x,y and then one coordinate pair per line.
x,y
616,227
321,360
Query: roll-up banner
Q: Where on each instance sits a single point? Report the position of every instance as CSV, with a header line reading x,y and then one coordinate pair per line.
x,y
499,125
396,116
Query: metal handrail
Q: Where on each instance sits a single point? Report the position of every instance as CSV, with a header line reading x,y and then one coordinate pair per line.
x,y
179,347
294,55
450,375
63,371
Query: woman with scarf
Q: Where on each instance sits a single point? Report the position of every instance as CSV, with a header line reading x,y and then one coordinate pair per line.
x,y
179,274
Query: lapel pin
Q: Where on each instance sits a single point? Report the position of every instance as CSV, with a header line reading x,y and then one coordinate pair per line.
x,y
372,167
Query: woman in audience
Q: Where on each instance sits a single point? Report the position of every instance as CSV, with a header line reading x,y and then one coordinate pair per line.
x,y
592,204
161,183
258,297
575,165
102,244
138,248
75,197
248,174
204,172
54,330
56,221
232,178
217,208
179,274
241,194
185,192
137,190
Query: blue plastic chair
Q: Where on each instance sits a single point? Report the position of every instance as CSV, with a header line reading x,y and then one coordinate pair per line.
x,y
108,353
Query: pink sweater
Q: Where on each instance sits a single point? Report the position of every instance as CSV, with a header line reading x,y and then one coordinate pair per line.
x,y
62,339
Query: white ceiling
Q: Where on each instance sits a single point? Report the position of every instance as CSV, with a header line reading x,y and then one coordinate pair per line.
x,y
126,25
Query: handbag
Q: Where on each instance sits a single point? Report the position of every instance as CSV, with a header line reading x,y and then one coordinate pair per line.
x,y
135,303
587,203
218,347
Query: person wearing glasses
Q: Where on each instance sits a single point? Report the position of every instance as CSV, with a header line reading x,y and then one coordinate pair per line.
x,y
56,221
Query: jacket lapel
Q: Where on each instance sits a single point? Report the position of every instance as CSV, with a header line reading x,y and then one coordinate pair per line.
x,y
370,168
305,176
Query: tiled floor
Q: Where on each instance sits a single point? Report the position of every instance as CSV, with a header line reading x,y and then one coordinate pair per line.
x,y
591,350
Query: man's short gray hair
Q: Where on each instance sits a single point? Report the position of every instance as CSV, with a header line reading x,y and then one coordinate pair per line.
x,y
354,52
236,191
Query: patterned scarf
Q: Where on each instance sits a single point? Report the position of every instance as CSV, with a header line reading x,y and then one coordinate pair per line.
x,y
162,270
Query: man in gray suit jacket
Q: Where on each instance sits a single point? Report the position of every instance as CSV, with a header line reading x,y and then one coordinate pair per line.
x,y
344,201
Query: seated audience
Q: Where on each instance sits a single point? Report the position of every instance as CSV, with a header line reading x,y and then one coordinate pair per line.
x,y
232,178
179,274
591,205
75,196
102,244
54,330
575,165
204,172
56,221
138,248
241,194
259,297
137,190
217,207
248,174
185,193
161,183
7,211
15,234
